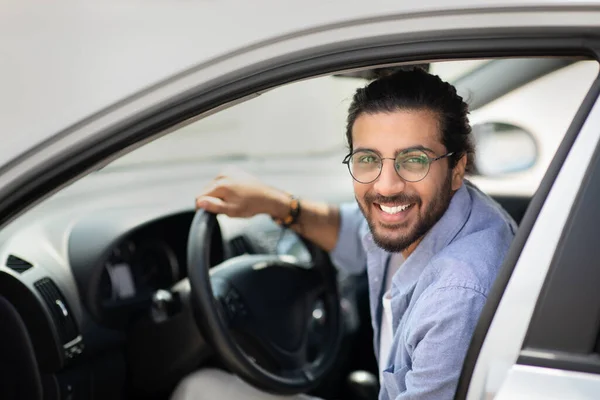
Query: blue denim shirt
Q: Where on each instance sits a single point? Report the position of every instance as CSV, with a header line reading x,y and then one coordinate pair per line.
x,y
437,293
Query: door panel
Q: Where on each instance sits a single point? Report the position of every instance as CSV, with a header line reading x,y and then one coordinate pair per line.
x,y
560,356
536,383
516,291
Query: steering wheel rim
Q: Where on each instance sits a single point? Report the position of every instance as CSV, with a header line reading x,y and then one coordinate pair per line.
x,y
211,290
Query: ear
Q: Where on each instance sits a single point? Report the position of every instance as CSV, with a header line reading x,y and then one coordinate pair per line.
x,y
458,173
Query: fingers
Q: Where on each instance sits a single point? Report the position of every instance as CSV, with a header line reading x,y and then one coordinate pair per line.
x,y
212,204
230,196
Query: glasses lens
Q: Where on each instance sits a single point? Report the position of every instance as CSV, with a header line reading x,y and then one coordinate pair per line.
x,y
364,166
412,165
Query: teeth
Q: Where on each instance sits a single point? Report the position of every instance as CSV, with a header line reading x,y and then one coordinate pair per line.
x,y
394,210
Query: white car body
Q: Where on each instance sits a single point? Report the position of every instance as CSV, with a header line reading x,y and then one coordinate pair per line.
x,y
73,73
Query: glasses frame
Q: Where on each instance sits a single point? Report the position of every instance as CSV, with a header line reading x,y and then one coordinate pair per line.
x,y
431,160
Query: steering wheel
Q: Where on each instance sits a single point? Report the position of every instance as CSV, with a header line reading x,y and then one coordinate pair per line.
x,y
256,311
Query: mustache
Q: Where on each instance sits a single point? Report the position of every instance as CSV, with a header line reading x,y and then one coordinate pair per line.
x,y
397,198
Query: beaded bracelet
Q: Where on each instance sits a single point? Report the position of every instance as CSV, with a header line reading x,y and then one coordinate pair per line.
x,y
292,217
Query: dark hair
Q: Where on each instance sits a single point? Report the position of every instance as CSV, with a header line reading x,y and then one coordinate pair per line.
x,y
416,89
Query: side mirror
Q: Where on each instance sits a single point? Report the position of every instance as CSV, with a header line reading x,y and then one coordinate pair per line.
x,y
503,149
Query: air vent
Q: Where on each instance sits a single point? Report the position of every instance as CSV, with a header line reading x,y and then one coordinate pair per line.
x,y
239,245
59,309
17,264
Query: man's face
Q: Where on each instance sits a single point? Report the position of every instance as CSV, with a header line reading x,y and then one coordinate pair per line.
x,y
398,212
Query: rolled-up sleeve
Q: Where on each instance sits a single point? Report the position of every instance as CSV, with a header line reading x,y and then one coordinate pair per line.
x,y
444,322
349,254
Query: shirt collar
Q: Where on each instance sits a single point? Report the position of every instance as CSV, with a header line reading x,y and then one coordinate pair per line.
x,y
441,234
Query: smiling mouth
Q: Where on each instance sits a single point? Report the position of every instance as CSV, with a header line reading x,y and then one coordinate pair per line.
x,y
394,209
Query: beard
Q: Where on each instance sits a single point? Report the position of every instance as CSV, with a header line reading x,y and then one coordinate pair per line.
x,y
425,219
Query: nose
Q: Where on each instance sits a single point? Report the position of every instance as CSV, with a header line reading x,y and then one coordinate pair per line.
x,y
389,183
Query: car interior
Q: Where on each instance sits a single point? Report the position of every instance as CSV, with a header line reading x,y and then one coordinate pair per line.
x,y
116,288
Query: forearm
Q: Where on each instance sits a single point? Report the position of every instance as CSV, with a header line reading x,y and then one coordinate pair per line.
x,y
244,197
318,222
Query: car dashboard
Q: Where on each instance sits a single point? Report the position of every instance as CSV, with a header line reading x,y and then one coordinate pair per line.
x,y
85,285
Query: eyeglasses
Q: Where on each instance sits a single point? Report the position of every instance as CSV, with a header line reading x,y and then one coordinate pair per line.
x,y
412,165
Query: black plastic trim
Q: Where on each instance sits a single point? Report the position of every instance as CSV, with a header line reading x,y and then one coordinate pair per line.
x,y
514,252
76,160
573,278
92,240
59,310
589,363
18,366
38,320
17,264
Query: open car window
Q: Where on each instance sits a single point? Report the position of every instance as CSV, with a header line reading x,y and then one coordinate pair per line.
x,y
300,127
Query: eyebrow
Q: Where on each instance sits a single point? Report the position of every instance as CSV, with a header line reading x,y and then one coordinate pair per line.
x,y
417,147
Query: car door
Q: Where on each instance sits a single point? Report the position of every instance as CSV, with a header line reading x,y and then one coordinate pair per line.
x,y
537,334
560,356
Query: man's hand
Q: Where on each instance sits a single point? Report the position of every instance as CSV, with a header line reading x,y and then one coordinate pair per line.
x,y
238,194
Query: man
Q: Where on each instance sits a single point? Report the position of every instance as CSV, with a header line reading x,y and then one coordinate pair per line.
x,y
432,243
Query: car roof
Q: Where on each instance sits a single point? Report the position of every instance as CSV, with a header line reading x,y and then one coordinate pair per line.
x,y
64,61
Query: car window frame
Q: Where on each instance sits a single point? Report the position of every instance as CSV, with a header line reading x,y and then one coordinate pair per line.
x,y
75,161
497,290
558,337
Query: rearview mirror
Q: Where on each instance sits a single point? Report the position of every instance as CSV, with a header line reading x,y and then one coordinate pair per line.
x,y
503,149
